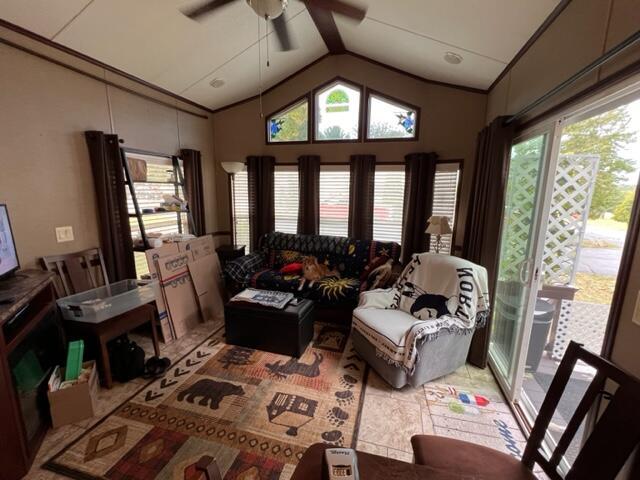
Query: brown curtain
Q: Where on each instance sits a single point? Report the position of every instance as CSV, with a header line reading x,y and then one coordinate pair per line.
x,y
261,201
309,188
361,180
484,217
108,178
193,187
420,172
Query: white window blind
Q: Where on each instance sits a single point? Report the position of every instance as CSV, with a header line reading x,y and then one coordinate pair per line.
x,y
334,200
388,202
240,195
445,198
286,198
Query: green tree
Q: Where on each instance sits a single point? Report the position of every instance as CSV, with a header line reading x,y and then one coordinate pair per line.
x,y
294,127
622,212
605,135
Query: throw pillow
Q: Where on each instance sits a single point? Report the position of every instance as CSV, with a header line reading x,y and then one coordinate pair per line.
x,y
292,268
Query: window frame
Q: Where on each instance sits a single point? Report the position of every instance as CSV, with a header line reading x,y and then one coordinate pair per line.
x,y
369,92
307,96
361,106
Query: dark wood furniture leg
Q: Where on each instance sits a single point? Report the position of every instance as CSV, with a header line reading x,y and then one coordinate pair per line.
x,y
102,333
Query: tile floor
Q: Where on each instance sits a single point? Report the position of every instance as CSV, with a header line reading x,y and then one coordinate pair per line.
x,y
389,417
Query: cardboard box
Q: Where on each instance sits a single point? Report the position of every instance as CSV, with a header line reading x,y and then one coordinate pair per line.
x,y
74,403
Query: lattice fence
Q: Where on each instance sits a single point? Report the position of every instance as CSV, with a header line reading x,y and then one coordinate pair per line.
x,y
582,322
572,193
573,190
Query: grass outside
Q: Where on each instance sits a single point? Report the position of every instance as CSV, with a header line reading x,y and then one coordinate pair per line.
x,y
608,224
595,288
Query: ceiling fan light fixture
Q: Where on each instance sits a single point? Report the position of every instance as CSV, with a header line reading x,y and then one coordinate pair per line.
x,y
452,58
217,82
268,8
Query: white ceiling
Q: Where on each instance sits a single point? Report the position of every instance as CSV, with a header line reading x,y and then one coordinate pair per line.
x,y
152,40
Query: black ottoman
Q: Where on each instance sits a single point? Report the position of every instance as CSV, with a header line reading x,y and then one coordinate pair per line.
x,y
286,331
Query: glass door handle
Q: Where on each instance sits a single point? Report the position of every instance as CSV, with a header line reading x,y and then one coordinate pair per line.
x,y
525,270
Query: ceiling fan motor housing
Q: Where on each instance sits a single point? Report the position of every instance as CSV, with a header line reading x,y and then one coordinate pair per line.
x,y
268,8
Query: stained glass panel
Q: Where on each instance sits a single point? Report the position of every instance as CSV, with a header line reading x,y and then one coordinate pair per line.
x,y
388,119
289,125
337,113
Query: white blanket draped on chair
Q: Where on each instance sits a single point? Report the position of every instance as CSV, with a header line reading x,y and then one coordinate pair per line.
x,y
442,293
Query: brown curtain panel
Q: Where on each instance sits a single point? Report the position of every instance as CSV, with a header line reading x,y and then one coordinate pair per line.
x,y
261,201
420,172
193,186
484,217
309,189
361,183
108,178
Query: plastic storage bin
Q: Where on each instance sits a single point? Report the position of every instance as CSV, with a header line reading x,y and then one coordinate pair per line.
x,y
102,303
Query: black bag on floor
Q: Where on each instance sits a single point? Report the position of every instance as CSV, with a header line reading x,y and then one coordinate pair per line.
x,y
126,358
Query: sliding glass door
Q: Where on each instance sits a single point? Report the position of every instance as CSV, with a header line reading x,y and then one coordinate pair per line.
x,y
568,203
516,272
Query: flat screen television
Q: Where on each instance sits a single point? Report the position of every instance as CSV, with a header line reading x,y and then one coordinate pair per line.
x,y
8,255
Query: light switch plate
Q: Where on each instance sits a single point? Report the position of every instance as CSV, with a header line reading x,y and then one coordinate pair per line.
x,y
64,234
636,312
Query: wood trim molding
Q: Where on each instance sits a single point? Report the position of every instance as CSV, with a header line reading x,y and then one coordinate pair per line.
x,y
361,57
555,13
93,61
414,76
98,79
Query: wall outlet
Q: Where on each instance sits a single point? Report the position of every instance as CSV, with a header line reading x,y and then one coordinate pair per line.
x,y
636,312
64,234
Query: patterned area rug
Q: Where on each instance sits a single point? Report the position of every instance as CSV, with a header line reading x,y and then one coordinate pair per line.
x,y
254,412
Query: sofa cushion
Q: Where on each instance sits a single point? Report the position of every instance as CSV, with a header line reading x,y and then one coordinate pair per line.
x,y
329,290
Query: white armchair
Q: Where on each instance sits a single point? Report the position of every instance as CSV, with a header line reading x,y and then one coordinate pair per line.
x,y
421,328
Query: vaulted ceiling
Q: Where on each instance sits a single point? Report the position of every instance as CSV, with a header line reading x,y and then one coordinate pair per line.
x,y
152,40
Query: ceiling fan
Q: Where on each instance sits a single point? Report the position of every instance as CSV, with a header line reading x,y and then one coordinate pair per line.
x,y
272,10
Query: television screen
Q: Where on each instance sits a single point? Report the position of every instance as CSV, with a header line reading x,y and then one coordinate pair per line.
x,y
8,256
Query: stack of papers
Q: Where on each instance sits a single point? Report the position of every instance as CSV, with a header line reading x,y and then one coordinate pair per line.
x,y
267,298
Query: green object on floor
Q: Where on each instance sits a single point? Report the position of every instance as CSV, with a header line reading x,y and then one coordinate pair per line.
x,y
74,360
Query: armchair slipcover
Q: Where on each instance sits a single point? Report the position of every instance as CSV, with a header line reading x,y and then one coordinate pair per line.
x,y
421,328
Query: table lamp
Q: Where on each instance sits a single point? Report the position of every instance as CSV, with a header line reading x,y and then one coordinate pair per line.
x,y
438,226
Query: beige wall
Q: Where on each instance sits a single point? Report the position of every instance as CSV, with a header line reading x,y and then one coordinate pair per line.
x,y
45,173
450,121
583,32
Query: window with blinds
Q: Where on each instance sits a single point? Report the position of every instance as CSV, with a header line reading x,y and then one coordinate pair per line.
x,y
240,208
445,198
160,180
388,202
286,198
334,200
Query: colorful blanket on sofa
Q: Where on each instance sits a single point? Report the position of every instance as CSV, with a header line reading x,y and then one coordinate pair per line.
x,y
442,292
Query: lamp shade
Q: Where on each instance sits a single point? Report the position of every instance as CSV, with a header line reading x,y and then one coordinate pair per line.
x,y
232,167
438,225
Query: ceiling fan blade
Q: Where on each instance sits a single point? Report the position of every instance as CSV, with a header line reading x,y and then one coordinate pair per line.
x,y
282,32
340,7
198,11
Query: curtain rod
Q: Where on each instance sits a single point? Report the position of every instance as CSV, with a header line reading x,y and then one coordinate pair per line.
x,y
598,62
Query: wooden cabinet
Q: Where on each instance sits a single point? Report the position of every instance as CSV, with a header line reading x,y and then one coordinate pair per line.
x,y
31,344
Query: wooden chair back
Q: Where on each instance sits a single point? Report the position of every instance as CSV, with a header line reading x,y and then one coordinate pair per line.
x,y
615,434
77,272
